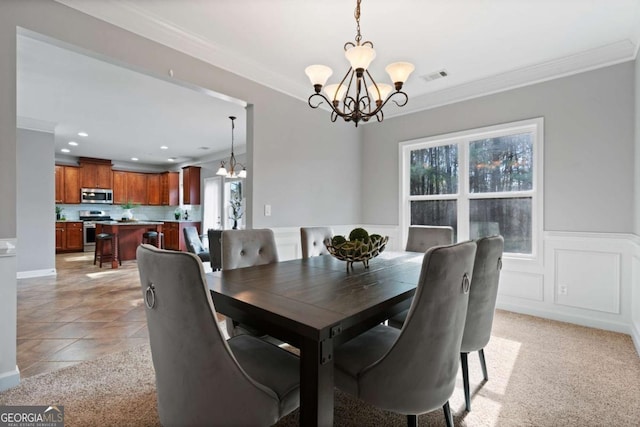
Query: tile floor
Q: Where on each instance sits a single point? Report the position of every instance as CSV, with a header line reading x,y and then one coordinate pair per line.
x,y
81,314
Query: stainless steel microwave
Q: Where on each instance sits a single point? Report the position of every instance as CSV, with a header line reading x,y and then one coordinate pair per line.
x,y
96,195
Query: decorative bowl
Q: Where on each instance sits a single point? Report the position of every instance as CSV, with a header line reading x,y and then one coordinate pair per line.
x,y
357,251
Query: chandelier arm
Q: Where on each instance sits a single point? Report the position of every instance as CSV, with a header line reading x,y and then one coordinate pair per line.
x,y
319,103
334,110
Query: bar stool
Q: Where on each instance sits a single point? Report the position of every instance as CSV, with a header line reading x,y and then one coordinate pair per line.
x,y
151,237
99,253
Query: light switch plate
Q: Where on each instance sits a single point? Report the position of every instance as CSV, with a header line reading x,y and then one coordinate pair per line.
x,y
267,210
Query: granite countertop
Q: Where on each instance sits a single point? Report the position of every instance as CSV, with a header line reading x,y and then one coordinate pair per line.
x,y
180,220
68,220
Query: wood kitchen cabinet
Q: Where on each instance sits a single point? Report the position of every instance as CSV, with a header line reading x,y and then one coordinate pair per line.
x,y
170,188
95,173
69,236
67,184
129,186
71,184
154,195
174,236
59,184
191,185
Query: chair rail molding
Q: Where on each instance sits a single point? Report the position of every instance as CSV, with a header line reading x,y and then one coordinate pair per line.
x,y
589,279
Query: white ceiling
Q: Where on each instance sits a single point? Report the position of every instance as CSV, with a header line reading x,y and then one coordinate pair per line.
x,y
485,46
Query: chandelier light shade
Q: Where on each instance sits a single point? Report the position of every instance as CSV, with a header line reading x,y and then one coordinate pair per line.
x,y
236,170
358,97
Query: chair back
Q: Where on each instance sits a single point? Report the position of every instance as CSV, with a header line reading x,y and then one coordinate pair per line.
x,y
313,240
246,248
198,380
423,237
215,248
483,294
419,372
192,240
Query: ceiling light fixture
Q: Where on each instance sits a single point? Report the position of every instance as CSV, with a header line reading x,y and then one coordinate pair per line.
x,y
135,159
65,150
233,169
73,143
164,147
84,134
361,98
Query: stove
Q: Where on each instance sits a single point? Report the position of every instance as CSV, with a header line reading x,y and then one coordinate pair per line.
x,y
89,219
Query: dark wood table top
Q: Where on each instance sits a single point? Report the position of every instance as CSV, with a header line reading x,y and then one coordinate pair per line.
x,y
312,295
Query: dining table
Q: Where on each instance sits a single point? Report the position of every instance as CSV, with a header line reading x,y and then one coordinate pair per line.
x,y
316,304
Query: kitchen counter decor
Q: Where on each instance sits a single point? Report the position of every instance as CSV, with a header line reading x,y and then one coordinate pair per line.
x,y
361,247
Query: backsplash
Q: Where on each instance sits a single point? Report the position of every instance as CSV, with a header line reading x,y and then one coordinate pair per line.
x,y
161,213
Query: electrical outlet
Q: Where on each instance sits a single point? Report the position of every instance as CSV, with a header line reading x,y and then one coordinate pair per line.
x,y
267,210
562,290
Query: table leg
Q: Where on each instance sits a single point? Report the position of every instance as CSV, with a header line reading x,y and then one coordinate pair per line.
x,y
316,383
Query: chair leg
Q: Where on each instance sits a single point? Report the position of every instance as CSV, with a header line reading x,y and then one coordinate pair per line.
x,y
447,414
483,364
465,380
412,421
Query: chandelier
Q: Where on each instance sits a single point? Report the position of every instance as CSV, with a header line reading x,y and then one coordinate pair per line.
x,y
233,164
358,97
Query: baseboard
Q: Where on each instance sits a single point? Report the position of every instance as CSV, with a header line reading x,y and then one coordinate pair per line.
x,y
36,273
635,335
590,322
9,379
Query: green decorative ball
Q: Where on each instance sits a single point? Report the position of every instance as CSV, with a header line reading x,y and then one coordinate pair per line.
x,y
359,234
338,240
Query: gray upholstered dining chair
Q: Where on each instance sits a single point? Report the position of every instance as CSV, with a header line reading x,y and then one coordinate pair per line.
x,y
247,248
215,248
194,244
202,379
313,240
421,238
482,305
413,370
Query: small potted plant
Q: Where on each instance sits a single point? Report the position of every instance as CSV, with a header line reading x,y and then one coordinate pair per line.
x,y
177,213
127,215
58,212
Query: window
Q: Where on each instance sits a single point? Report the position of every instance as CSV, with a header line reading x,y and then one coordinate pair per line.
x,y
481,182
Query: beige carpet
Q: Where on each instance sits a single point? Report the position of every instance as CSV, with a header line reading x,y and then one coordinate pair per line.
x,y
541,373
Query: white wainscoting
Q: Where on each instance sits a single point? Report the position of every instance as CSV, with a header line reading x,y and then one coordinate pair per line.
x,y
589,279
9,373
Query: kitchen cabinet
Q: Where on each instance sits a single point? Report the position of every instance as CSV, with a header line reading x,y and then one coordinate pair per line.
x,y
191,185
71,184
95,173
174,236
154,196
129,187
59,184
170,188
69,236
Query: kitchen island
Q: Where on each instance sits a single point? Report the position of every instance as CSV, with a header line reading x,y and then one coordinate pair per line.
x,y
129,236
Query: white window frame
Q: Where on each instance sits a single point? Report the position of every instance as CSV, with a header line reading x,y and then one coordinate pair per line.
x,y
463,197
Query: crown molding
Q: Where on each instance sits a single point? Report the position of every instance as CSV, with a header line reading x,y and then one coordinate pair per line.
x,y
588,60
126,15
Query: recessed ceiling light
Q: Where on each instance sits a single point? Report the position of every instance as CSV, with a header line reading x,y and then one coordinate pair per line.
x,y
171,159
73,143
83,134
164,147
65,150
135,159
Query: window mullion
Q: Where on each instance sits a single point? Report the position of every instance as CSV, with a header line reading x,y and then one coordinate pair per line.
x,y
463,191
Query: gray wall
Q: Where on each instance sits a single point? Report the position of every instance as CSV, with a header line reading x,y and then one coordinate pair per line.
x,y
36,188
285,137
636,228
588,151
